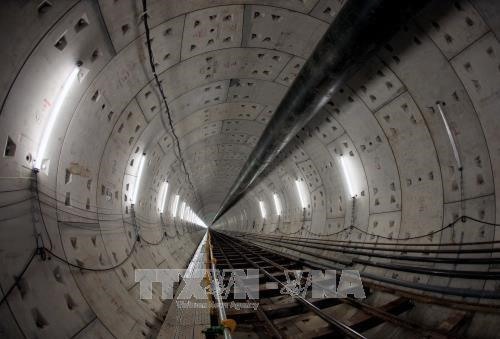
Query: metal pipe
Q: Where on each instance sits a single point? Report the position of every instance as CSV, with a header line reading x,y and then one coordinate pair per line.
x,y
442,260
333,246
358,31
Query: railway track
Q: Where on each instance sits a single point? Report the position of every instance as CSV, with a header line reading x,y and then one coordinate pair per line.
x,y
288,315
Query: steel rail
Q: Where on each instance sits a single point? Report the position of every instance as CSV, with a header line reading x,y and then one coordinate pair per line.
x,y
374,311
260,313
329,319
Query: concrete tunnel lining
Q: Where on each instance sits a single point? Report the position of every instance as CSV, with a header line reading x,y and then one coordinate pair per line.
x,y
225,66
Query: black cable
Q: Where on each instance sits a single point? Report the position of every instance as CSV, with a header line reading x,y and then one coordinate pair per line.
x,y
329,234
280,231
19,277
419,259
51,190
378,254
350,242
162,93
462,218
58,210
13,217
480,221
82,203
154,243
15,190
95,269
41,212
108,230
15,202
375,246
41,252
147,221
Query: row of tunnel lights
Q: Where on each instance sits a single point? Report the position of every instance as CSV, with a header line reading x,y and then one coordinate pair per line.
x,y
185,211
42,163
301,190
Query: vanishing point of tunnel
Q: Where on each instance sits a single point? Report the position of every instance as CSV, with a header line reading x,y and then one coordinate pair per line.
x,y
249,169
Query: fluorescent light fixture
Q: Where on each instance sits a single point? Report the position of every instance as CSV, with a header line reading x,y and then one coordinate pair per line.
x,y
302,193
183,207
175,205
262,209
186,213
142,160
277,204
450,136
200,222
163,197
345,168
40,161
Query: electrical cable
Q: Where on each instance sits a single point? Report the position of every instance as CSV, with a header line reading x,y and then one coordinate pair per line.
x,y
58,210
280,231
82,203
378,246
13,217
42,249
162,93
15,190
350,242
373,253
95,269
19,277
41,213
151,243
15,202
419,259
51,190
462,218
147,221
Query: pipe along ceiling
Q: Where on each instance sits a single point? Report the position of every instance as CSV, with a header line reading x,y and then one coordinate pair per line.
x,y
358,134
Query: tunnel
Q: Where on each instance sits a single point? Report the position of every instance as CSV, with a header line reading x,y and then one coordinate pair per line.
x,y
336,161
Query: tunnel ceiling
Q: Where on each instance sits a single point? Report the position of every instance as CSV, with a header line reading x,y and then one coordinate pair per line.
x,y
225,69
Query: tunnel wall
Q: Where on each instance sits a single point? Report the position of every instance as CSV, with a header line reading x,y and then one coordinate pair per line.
x,y
84,212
